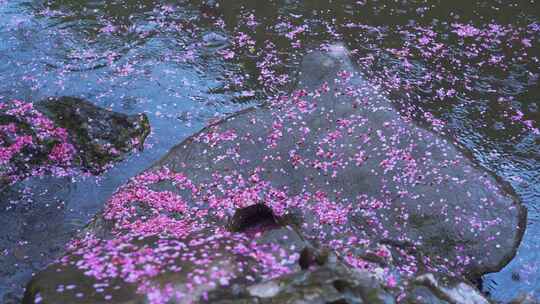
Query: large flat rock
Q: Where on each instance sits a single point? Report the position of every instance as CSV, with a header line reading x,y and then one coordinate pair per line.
x,y
381,177
260,197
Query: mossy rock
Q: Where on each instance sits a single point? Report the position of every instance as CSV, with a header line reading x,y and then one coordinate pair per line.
x,y
100,136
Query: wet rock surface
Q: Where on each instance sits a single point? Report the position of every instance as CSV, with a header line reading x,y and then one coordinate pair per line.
x,y
336,283
100,136
57,135
398,180
327,196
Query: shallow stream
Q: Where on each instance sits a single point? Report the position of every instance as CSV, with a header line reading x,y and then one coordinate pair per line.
x,y
474,65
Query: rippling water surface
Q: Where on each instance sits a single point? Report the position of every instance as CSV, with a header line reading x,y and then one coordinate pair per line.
x,y
472,66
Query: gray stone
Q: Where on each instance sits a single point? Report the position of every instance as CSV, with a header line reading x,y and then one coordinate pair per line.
x,y
454,211
215,40
364,195
96,131
97,137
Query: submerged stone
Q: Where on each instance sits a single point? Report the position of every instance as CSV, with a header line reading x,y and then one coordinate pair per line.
x,y
215,40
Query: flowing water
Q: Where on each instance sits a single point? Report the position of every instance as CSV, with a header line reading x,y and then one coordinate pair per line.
x,y
472,66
